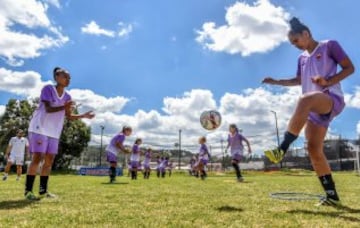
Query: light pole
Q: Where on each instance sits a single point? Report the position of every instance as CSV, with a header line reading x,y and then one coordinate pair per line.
x,y
179,149
277,132
102,127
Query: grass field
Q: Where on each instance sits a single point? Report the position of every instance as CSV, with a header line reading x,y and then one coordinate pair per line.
x,y
180,201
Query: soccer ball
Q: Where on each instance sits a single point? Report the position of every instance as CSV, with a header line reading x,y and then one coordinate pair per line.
x,y
210,120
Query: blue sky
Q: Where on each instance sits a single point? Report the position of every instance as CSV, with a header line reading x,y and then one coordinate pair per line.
x,y
158,71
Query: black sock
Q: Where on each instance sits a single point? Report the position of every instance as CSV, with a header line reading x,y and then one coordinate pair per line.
x,y
329,186
43,184
237,169
288,139
29,183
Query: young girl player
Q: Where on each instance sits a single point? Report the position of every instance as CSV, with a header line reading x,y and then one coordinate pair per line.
x,y
115,146
135,158
45,129
235,142
321,101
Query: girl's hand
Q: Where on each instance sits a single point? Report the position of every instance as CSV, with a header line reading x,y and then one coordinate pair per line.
x,y
269,80
88,115
319,80
68,106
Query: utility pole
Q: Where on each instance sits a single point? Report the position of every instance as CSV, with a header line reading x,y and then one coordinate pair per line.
x,y
102,127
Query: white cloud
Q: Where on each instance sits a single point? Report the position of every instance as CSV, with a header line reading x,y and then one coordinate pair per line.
x,y
2,109
90,100
125,29
55,3
17,45
27,83
93,28
358,128
353,100
250,29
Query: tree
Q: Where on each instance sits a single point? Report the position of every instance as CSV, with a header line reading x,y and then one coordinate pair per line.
x,y
73,140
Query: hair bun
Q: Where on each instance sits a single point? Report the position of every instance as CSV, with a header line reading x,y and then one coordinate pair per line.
x,y
294,22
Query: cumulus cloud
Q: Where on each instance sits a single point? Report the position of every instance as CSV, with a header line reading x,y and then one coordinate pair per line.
x,y
93,28
250,110
54,3
90,100
249,29
353,100
17,45
2,109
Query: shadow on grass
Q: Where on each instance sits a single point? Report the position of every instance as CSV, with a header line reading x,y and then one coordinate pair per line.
x,y
15,204
108,183
337,214
229,209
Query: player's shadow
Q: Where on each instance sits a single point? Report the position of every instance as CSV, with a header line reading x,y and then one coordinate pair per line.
x,y
15,204
228,208
116,183
338,214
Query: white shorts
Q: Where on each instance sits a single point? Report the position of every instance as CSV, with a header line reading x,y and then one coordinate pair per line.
x,y
17,160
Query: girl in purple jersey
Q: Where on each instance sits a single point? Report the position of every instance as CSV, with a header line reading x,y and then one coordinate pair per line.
x,y
147,160
235,143
45,129
321,101
112,150
203,158
135,158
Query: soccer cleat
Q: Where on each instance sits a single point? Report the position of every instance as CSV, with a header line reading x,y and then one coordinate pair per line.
x,y
4,178
275,155
48,195
329,202
31,196
240,179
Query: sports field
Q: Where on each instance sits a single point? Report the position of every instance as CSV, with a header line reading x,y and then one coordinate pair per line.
x,y
180,201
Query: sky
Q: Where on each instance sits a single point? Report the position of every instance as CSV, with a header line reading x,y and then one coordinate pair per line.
x,y
157,65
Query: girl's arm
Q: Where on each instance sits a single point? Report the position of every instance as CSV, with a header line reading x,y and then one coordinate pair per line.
x,y
70,116
347,69
120,146
51,109
283,82
248,145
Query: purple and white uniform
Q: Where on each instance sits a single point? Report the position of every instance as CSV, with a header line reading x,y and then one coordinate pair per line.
x,y
45,128
135,156
236,146
322,61
112,150
147,160
203,154
163,164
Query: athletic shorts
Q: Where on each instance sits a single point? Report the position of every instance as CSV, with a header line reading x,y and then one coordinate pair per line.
x,y
111,157
17,160
146,166
134,164
43,144
236,157
325,119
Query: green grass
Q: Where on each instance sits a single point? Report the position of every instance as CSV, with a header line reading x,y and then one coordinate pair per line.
x,y
180,201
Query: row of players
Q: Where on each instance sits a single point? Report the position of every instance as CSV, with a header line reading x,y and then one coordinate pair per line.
x,y
116,145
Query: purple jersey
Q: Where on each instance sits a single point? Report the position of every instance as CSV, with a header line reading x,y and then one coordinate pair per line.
x,y
45,123
118,139
147,157
203,152
236,143
135,153
322,61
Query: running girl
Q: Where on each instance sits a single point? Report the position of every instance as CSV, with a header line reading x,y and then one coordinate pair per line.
x,y
203,158
321,101
147,161
112,150
135,158
235,142
45,129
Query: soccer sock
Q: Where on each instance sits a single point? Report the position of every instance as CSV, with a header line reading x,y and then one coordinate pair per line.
x,y
113,172
43,184
329,186
29,183
288,139
237,169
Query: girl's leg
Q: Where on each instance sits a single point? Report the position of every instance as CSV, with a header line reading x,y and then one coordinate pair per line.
x,y
315,135
235,164
31,173
112,171
7,170
19,170
45,172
